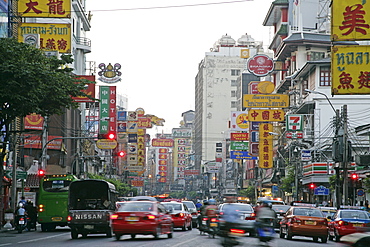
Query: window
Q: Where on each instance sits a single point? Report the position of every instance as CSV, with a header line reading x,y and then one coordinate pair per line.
x,y
235,72
234,104
233,93
325,76
233,83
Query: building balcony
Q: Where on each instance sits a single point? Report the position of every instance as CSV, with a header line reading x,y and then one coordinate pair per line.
x,y
82,44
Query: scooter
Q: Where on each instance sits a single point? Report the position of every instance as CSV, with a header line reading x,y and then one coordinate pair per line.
x,y
230,237
21,223
265,230
203,227
31,224
213,227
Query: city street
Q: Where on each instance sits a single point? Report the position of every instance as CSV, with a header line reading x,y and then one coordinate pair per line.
x,y
61,237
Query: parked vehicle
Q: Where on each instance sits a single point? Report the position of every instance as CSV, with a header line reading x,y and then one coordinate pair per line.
x,y
194,212
141,217
304,221
91,203
246,213
347,221
180,215
53,200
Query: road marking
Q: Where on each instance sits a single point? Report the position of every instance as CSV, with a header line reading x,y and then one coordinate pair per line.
x,y
37,239
186,241
5,244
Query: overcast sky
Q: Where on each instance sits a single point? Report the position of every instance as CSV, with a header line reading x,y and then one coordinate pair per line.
x,y
160,46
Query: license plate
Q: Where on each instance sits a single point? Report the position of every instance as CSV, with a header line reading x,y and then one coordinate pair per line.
x,y
310,222
204,222
56,219
213,224
236,234
21,222
131,218
357,225
89,227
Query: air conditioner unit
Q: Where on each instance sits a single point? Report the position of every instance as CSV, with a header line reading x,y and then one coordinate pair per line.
x,y
362,160
32,39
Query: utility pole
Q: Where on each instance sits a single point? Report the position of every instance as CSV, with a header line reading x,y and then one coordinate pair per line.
x,y
345,154
44,142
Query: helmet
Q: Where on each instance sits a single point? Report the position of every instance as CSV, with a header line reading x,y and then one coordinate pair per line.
x,y
205,202
212,202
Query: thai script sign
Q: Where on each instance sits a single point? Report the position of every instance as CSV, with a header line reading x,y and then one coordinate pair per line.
x,y
44,8
181,132
55,37
34,141
242,146
265,100
266,115
162,142
350,20
350,70
241,155
239,136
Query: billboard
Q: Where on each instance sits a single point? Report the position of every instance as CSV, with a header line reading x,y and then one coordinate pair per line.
x,y
44,8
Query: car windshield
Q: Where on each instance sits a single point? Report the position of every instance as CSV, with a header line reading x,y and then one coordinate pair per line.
x,y
354,215
280,208
189,204
308,212
135,207
238,207
174,206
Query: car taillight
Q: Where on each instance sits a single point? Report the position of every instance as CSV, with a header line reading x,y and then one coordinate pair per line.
x,y
114,216
296,220
69,218
180,215
205,218
342,223
252,216
237,231
214,220
149,217
194,213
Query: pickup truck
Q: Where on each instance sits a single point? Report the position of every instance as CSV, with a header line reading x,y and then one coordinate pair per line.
x,y
90,205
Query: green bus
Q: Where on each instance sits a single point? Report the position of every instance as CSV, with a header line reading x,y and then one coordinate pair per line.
x,y
53,200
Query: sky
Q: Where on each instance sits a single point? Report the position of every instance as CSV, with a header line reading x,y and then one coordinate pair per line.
x,y
159,46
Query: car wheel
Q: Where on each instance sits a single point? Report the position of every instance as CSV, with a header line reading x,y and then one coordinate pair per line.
x,y
133,235
289,236
184,227
190,226
117,236
282,235
74,234
337,238
170,235
109,232
315,239
157,232
324,239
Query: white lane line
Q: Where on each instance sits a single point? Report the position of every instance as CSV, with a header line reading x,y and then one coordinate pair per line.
x,y
192,239
5,244
37,239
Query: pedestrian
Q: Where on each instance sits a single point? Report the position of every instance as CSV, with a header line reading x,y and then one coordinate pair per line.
x,y
367,204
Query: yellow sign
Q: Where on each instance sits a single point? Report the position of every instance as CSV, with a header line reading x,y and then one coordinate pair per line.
x,y
244,53
265,146
106,144
350,20
265,100
265,87
44,8
53,37
266,115
350,70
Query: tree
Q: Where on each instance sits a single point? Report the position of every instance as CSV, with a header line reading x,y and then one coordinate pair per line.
x,y
288,181
249,192
33,83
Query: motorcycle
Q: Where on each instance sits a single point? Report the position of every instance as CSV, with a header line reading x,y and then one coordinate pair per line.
x,y
230,237
203,227
265,230
31,224
213,227
21,223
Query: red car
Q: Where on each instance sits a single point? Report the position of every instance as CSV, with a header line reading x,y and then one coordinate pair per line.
x,y
348,221
141,217
180,215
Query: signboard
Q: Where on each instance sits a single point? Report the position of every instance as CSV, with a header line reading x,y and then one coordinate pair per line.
x,y
350,20
19,174
239,136
265,146
239,121
321,191
244,53
181,132
108,115
265,87
294,123
106,144
242,146
360,192
294,135
266,115
33,121
89,90
162,142
260,65
306,155
350,69
34,141
266,100
55,37
44,8
241,155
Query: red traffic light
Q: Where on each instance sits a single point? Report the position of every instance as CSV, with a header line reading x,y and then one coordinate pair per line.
x,y
111,136
40,173
121,153
354,176
312,186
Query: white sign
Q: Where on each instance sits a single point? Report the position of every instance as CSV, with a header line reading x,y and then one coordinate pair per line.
x,y
306,155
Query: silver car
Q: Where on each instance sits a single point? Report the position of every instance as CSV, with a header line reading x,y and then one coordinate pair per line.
x,y
194,212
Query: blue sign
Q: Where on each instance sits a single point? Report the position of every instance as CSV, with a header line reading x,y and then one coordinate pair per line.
x,y
360,192
121,115
275,189
321,191
241,155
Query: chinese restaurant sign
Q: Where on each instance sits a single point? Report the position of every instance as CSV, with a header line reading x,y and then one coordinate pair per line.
x,y
265,100
239,121
53,37
108,122
266,115
350,70
44,8
265,146
350,20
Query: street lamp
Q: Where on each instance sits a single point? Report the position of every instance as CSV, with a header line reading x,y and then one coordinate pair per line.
x,y
317,92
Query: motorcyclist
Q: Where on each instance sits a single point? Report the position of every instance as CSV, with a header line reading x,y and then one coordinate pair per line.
x,y
211,210
264,213
230,217
21,212
202,213
32,214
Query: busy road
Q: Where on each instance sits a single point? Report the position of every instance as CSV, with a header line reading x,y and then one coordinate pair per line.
x,y
62,237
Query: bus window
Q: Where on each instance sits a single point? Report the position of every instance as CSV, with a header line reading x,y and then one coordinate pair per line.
x,y
56,185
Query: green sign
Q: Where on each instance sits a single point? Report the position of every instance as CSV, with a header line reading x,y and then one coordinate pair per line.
x,y
242,146
20,174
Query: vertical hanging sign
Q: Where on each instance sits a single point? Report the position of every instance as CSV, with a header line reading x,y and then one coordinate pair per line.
x,y
108,115
265,146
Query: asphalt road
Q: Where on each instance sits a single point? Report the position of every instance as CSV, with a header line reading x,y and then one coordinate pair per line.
x,y
62,237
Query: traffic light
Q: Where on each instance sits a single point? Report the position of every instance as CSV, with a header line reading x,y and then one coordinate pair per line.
x,y
40,173
354,176
312,186
109,136
121,154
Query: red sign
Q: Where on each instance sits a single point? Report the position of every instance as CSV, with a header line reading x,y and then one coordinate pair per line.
x,y
239,136
34,141
260,65
162,142
191,172
137,183
90,90
144,123
33,122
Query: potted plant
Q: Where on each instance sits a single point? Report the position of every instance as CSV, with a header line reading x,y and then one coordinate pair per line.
x,y
8,215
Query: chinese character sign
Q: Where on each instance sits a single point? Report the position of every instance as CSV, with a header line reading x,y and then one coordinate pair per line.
x,y
350,70
266,115
239,121
53,37
265,146
108,122
44,8
350,20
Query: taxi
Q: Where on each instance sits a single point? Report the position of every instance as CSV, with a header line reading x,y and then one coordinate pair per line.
x,y
180,215
328,211
304,221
